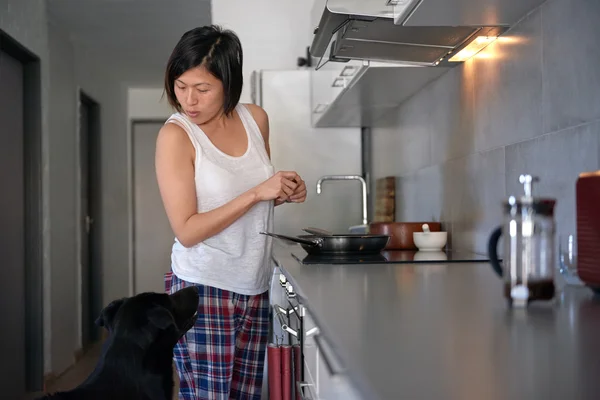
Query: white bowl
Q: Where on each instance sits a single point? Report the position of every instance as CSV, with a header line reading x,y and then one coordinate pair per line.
x,y
430,241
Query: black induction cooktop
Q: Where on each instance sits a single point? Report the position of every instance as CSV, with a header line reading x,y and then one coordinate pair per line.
x,y
391,257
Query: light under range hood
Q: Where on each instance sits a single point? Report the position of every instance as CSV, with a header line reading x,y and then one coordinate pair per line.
x,y
412,32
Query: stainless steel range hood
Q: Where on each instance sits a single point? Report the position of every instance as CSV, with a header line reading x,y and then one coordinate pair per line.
x,y
375,30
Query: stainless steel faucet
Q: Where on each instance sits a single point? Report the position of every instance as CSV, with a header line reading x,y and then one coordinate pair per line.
x,y
347,178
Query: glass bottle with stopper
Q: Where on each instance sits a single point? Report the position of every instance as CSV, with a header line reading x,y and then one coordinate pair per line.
x,y
528,232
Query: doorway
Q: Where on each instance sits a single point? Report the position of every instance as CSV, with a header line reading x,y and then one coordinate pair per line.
x,y
152,234
90,195
21,287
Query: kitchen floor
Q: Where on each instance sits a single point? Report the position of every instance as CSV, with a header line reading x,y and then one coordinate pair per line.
x,y
74,375
77,374
82,369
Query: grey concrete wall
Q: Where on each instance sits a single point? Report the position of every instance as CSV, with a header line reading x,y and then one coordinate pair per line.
x,y
25,21
529,103
65,69
62,124
103,83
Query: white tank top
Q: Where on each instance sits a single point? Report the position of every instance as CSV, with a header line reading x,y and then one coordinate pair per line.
x,y
238,258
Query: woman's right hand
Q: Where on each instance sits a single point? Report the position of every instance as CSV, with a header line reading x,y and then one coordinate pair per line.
x,y
279,186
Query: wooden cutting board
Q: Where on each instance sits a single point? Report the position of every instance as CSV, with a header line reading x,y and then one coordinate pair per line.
x,y
385,199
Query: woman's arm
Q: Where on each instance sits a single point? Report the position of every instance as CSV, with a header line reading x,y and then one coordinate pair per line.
x,y
175,175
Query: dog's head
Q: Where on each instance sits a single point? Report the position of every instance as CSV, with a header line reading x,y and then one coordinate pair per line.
x,y
150,317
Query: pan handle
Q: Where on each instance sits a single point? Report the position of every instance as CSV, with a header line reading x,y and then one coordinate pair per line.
x,y
316,242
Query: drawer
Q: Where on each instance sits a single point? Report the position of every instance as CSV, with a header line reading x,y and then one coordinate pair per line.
x,y
332,386
310,352
338,388
329,378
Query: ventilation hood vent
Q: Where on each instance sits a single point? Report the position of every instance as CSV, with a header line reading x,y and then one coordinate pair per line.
x,y
373,30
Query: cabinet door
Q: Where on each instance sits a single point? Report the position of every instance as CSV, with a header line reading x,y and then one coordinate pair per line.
x,y
332,383
326,378
329,82
320,382
338,387
321,92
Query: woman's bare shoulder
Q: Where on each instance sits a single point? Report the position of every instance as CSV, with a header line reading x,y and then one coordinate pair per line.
x,y
261,118
256,109
174,138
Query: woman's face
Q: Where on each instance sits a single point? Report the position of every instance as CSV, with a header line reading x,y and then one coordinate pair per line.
x,y
200,94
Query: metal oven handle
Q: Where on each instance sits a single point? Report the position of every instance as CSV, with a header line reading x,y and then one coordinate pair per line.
x,y
281,317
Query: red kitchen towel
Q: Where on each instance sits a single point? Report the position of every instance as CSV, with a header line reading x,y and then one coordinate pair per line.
x,y
297,369
286,371
274,368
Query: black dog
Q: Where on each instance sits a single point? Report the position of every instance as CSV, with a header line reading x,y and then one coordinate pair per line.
x,y
136,361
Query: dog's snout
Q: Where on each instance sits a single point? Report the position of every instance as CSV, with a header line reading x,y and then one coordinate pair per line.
x,y
191,293
190,290
195,290
186,296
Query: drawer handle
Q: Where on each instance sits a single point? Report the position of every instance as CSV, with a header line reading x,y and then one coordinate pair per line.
x,y
312,331
302,385
325,351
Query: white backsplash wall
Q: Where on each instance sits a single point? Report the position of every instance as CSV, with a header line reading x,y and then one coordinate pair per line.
x,y
273,33
529,103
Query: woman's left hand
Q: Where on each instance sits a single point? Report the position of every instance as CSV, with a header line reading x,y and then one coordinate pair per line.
x,y
299,194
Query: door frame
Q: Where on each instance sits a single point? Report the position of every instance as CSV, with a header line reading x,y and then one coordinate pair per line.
x,y
96,120
34,194
131,178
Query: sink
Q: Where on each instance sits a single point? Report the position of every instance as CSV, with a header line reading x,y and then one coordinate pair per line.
x,y
346,178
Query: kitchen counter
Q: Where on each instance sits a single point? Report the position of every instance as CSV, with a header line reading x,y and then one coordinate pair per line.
x,y
444,331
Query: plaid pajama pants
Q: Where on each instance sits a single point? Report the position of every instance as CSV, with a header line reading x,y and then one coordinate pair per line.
x,y
222,356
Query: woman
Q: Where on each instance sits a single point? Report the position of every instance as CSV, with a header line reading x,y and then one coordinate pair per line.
x,y
219,189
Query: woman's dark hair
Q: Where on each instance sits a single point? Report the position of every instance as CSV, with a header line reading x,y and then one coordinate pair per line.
x,y
219,51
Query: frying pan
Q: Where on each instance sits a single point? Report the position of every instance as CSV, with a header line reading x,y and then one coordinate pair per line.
x,y
338,243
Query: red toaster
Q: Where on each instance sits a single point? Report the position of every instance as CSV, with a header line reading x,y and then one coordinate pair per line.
x,y
588,229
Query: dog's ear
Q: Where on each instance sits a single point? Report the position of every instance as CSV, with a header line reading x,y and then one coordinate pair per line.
x,y
108,313
161,318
